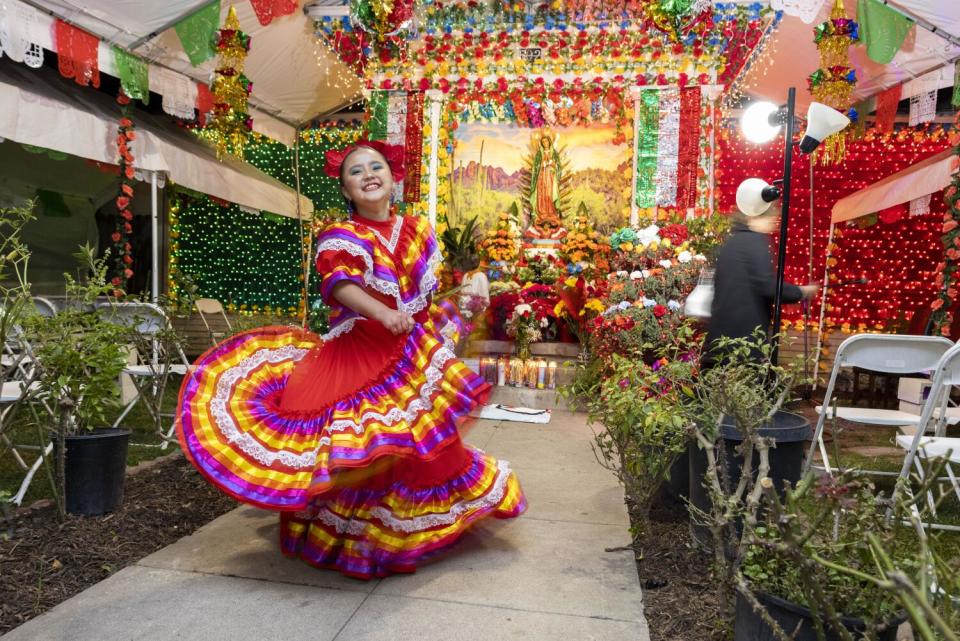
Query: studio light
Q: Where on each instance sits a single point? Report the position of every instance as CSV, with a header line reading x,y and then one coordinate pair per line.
x,y
822,121
754,196
760,122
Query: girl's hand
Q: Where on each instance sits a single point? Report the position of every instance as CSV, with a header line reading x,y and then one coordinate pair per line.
x,y
397,322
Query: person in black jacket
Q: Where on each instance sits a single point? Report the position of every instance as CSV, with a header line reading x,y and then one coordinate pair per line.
x,y
745,285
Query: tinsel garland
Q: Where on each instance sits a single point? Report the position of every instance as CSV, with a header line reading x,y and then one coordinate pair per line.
x,y
947,271
833,83
230,126
648,126
122,251
688,157
413,146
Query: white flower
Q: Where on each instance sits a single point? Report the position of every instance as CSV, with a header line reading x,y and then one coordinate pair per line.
x,y
522,309
648,235
648,302
621,274
674,305
700,257
543,322
636,275
624,304
684,256
646,273
666,264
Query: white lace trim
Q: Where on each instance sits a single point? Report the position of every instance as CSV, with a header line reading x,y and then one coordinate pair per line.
x,y
229,429
433,374
425,521
341,329
394,235
418,303
255,449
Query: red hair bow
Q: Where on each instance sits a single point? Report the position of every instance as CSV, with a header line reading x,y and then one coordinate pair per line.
x,y
392,153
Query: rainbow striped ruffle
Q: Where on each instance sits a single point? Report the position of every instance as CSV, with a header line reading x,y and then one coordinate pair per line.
x,y
311,466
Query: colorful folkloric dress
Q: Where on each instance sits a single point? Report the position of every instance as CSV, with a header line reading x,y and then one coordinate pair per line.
x,y
353,437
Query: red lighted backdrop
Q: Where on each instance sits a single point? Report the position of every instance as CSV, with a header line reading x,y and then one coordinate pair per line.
x,y
898,254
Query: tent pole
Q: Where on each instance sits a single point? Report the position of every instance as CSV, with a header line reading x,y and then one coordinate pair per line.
x,y
806,304
306,246
154,240
825,288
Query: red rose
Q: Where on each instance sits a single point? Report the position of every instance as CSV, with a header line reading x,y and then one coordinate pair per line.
x,y
128,274
659,311
116,237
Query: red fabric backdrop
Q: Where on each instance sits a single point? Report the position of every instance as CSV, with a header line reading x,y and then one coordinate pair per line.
x,y
897,255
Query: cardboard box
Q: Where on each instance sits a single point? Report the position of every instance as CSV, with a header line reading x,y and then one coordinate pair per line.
x,y
913,390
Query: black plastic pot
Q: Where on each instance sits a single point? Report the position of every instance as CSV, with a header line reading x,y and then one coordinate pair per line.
x,y
749,626
96,466
790,431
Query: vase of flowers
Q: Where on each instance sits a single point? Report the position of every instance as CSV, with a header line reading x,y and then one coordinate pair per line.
x,y
524,326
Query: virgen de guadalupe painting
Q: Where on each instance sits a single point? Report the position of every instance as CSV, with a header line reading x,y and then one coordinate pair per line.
x,y
544,176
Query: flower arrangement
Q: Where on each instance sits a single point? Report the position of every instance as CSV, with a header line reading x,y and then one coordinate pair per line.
x,y
525,327
501,243
544,270
472,310
581,243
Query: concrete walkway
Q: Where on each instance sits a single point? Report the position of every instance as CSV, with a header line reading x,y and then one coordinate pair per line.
x,y
544,576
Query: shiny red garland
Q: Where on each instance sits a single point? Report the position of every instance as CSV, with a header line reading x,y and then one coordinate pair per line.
x,y
122,250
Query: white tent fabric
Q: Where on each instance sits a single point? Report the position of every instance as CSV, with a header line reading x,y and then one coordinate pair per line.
x,y
792,55
294,79
924,178
53,115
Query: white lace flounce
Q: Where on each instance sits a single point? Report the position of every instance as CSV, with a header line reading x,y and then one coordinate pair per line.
x,y
423,522
306,460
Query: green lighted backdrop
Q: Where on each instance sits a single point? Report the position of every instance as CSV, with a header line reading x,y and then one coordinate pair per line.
x,y
252,262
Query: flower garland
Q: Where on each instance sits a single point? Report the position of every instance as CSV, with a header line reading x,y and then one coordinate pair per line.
x,y
949,269
122,250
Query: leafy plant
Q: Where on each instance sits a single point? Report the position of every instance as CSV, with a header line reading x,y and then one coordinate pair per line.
x,y
78,357
460,246
644,429
14,258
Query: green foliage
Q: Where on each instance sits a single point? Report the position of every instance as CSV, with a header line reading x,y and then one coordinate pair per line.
x,y
835,516
643,428
79,354
707,234
14,257
460,246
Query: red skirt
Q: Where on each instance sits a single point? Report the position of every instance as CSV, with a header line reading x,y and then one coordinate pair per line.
x,y
354,440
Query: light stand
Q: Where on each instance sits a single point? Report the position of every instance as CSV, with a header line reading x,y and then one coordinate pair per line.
x,y
788,144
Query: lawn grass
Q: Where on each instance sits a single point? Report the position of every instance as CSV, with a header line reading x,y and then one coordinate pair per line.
x,y
144,442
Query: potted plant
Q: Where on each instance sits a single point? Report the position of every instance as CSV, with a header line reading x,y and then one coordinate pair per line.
x,y
79,355
807,567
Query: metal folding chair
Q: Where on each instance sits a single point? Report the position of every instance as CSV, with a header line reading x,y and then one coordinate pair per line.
x,y
921,448
154,362
888,354
212,307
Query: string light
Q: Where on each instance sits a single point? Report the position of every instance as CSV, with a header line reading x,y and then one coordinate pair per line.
x,y
898,254
254,262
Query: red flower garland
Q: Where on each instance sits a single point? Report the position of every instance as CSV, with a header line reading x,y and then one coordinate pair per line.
x,y
122,250
945,304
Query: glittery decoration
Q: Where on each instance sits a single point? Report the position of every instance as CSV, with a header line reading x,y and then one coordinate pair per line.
x,y
231,124
955,101
378,107
668,147
414,146
648,106
688,155
832,84
397,130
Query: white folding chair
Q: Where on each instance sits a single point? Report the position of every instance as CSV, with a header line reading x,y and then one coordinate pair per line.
x,y
921,448
886,353
153,365
212,307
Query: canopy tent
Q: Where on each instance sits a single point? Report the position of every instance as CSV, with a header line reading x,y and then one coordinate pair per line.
x,y
37,108
295,79
926,177
792,56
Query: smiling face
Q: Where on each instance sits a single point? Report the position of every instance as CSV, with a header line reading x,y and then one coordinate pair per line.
x,y
365,178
